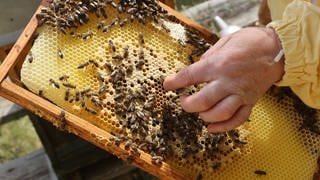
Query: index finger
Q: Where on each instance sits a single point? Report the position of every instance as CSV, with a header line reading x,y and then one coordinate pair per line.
x,y
193,74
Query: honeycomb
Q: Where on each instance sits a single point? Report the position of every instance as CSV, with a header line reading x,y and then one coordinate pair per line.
x,y
112,77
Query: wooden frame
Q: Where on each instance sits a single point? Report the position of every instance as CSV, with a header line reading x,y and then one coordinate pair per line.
x,y
13,90
170,3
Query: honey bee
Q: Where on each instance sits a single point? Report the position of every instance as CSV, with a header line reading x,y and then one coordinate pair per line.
x,y
126,52
71,99
73,34
140,114
66,95
260,172
132,17
95,63
35,36
100,77
197,52
54,83
114,22
82,101
62,119
108,66
134,149
117,57
90,110
68,85
132,10
114,73
30,57
101,24
118,97
94,4
103,12
85,91
40,93
87,35
123,22
112,46
157,160
141,19
141,54
64,77
113,4
141,37
102,89
134,127
60,53
164,27
92,95
77,96
105,29
128,144
120,9
183,44
190,58
140,64
97,13
238,141
148,105
96,102
132,107
81,66
112,138
129,69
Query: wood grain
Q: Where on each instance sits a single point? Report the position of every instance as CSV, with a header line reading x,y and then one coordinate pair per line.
x,y
31,166
18,50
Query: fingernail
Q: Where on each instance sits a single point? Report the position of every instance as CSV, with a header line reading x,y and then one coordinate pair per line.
x,y
204,119
183,99
210,129
165,84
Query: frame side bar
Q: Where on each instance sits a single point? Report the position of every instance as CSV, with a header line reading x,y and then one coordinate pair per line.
x,y
82,128
11,58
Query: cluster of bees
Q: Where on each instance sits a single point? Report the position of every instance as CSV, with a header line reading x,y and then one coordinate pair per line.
x,y
66,14
163,130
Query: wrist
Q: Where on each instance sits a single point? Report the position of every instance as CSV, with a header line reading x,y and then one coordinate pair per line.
x,y
277,46
278,55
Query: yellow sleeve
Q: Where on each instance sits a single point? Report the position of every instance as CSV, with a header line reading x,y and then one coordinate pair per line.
x,y
299,32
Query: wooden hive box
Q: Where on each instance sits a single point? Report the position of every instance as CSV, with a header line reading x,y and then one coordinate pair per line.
x,y
13,90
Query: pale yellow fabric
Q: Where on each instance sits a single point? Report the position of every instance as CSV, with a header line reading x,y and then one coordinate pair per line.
x,y
297,23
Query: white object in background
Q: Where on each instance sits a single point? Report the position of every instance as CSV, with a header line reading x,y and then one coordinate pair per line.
x,y
224,28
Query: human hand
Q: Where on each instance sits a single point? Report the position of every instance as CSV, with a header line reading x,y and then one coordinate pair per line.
x,y
237,71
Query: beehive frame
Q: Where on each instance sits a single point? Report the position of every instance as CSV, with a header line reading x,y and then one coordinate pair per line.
x,y
12,89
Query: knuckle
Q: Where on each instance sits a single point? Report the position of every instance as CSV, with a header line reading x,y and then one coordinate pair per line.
x,y
206,118
225,128
205,101
225,113
187,75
